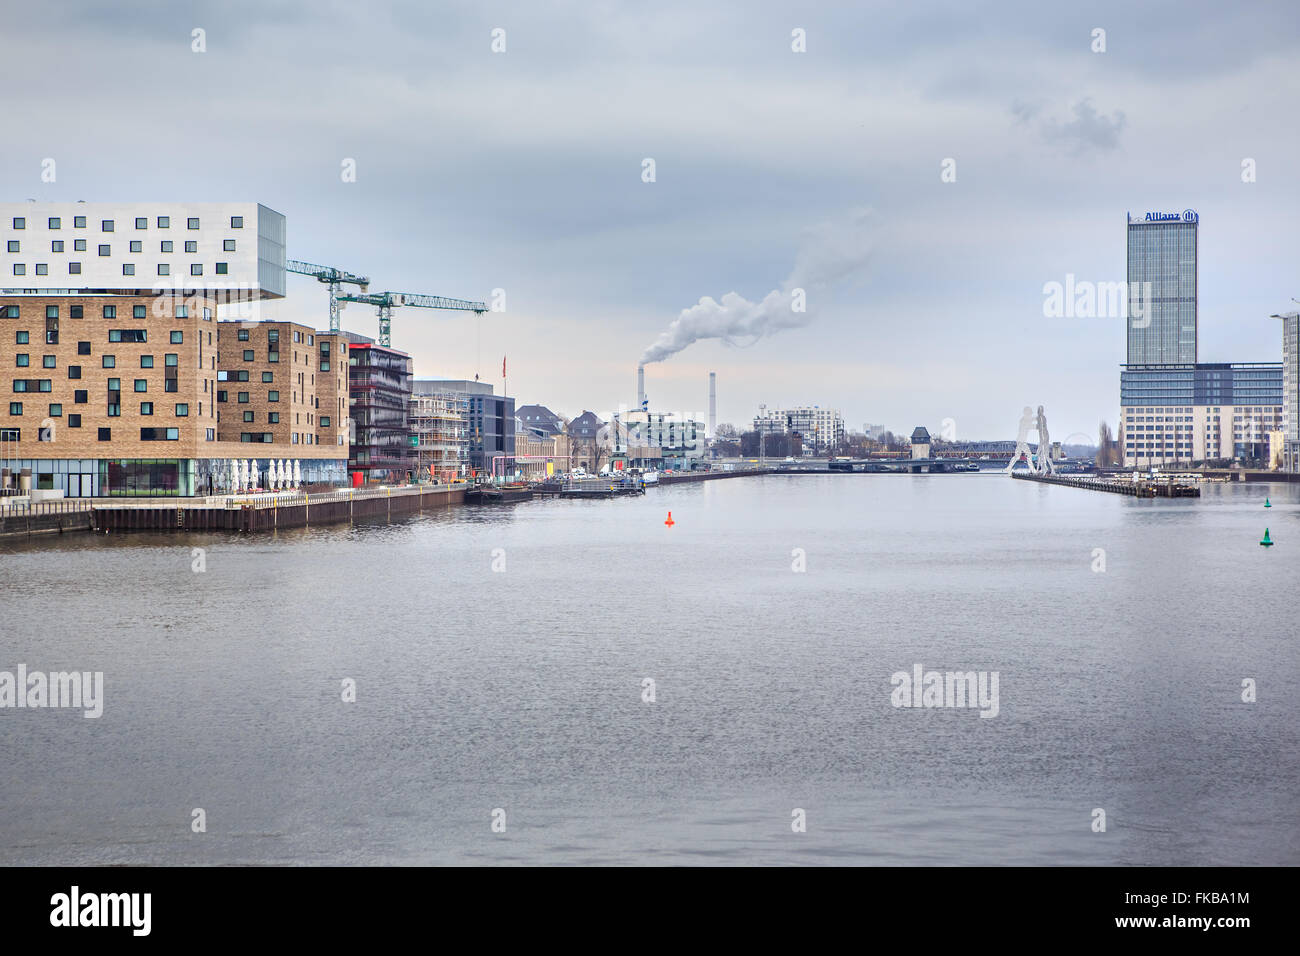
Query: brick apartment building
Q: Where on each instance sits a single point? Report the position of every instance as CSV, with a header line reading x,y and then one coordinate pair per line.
x,y
281,383
114,364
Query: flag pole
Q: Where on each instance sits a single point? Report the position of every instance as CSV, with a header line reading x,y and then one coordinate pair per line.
x,y
504,392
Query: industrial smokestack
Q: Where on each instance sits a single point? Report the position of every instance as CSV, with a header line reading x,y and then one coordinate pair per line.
x,y
640,387
713,404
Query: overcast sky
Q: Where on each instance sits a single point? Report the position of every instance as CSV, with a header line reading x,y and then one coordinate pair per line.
x,y
522,171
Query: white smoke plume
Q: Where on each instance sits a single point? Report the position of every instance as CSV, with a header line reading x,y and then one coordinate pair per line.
x,y
832,253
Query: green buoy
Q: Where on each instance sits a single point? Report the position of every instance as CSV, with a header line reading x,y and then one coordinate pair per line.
x,y
1267,503
1267,542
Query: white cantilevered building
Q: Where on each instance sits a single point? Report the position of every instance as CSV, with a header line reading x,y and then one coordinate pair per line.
x,y
142,248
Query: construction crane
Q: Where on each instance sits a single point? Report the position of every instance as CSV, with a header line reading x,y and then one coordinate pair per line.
x,y
386,300
332,277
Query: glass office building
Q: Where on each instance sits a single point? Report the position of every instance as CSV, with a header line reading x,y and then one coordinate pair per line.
x,y
1209,383
1162,266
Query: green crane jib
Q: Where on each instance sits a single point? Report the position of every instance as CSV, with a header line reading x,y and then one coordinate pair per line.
x,y
386,300
332,277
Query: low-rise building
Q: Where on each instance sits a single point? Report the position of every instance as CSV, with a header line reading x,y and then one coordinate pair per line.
x,y
539,418
663,440
920,442
539,456
584,441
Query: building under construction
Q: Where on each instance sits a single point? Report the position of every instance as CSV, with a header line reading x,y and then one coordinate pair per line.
x,y
489,419
439,440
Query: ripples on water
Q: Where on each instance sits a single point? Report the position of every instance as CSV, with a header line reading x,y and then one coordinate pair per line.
x,y
521,689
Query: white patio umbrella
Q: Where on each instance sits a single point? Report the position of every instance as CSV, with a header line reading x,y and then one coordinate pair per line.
x,y
233,485
273,478
285,474
253,476
297,473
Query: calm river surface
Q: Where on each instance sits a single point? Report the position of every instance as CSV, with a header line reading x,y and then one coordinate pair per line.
x,y
521,689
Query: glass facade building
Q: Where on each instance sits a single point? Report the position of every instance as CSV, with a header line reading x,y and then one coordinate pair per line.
x,y
1240,383
1162,267
156,477
379,385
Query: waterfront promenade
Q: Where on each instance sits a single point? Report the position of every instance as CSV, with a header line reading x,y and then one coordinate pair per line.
x,y
253,512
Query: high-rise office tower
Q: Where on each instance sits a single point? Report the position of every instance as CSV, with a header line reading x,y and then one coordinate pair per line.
x,y
1162,288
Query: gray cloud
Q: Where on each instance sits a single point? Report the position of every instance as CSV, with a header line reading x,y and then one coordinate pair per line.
x,y
1088,130
1024,112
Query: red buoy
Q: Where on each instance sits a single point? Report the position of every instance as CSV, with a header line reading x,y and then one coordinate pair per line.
x,y
670,522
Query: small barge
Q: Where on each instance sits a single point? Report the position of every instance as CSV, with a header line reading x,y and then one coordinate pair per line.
x,y
498,494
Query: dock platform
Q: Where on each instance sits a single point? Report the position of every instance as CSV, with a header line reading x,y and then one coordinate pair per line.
x,y
1135,489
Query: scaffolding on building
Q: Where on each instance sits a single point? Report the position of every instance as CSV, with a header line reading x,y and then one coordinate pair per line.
x,y
438,436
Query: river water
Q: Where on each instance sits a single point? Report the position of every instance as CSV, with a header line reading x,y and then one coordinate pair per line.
x,y
522,689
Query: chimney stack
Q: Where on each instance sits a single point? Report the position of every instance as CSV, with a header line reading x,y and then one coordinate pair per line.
x,y
713,404
640,387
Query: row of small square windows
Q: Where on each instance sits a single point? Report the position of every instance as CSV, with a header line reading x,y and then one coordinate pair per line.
x,y
177,337
128,268
79,245
182,312
106,434
170,359
141,222
110,312
182,409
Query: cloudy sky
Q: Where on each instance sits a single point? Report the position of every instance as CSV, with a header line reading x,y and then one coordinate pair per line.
x,y
522,170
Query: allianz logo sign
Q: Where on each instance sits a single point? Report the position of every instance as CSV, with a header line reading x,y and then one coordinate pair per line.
x,y
1187,215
